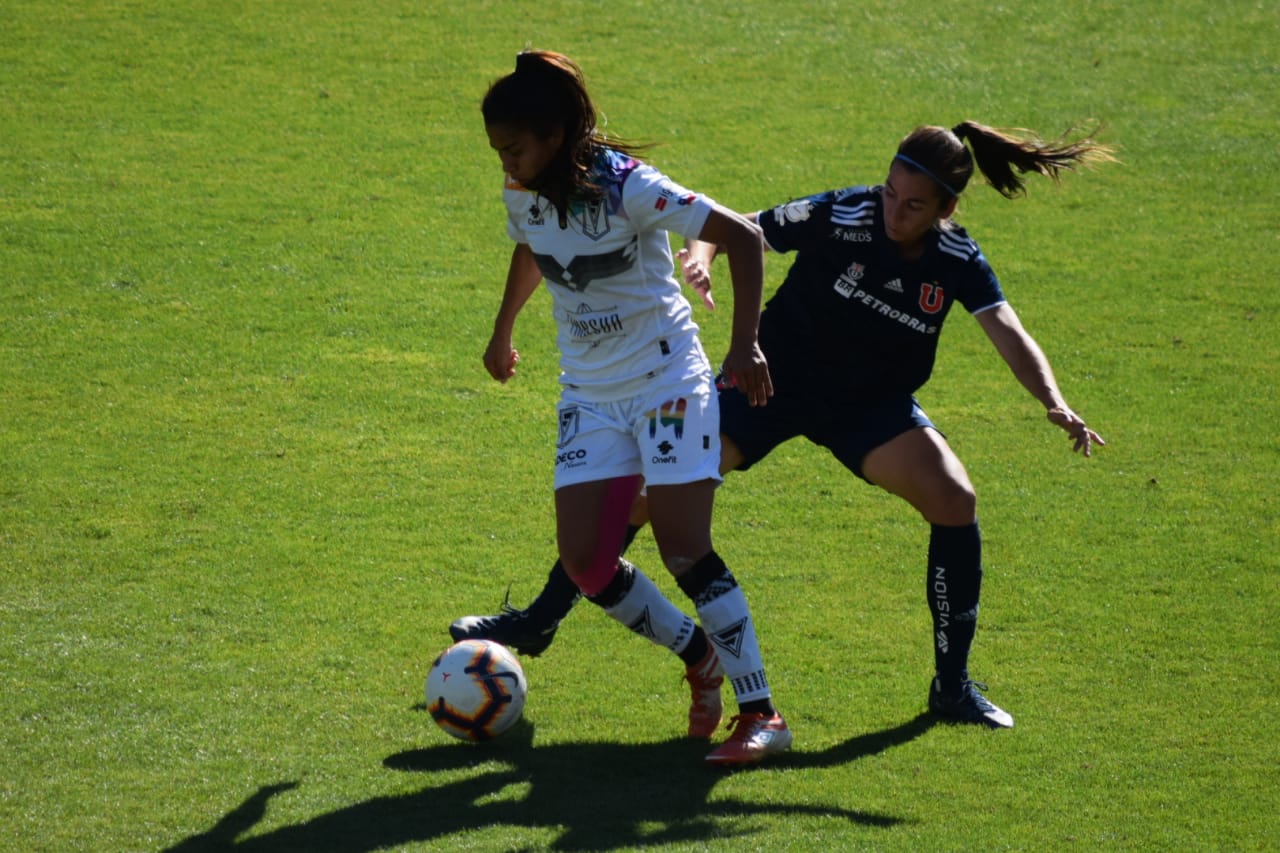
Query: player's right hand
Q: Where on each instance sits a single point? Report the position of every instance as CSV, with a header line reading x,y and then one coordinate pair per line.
x,y
746,369
501,358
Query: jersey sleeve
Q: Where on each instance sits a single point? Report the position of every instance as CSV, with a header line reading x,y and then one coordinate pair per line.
x,y
515,198
796,224
655,202
983,291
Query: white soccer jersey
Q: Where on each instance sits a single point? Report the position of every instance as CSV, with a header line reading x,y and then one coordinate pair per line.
x,y
620,314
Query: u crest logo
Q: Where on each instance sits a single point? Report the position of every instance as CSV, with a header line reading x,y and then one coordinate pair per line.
x,y
932,297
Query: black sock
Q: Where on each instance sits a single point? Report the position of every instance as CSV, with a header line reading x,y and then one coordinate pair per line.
x,y
556,599
758,706
953,587
560,593
615,589
628,538
697,648
708,578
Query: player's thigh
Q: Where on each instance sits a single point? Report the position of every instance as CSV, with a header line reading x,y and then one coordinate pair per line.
x,y
590,520
597,472
920,467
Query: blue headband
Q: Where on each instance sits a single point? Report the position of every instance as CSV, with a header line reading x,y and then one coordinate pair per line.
x,y
904,158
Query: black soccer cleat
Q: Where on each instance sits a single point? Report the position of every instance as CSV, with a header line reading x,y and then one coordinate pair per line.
x,y
967,705
513,628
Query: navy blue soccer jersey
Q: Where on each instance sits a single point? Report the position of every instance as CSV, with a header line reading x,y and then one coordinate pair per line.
x,y
852,316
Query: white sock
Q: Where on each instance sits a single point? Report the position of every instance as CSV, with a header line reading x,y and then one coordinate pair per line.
x,y
646,611
727,621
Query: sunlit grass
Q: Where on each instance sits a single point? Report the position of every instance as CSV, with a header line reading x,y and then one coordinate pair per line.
x,y
251,466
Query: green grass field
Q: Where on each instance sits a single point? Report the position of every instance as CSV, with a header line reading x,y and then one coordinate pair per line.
x,y
251,465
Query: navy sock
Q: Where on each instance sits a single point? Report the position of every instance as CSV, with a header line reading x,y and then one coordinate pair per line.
x,y
954,586
556,599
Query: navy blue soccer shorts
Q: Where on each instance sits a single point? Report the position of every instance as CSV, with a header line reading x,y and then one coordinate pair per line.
x,y
850,432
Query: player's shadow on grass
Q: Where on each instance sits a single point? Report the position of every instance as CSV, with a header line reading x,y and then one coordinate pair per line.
x,y
599,795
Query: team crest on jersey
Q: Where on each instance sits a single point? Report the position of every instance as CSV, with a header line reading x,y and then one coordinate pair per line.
x,y
847,283
569,418
593,217
932,298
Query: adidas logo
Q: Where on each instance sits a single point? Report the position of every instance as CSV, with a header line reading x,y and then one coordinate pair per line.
x,y
895,285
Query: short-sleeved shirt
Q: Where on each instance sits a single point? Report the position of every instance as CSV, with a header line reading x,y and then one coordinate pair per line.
x,y
621,318
853,320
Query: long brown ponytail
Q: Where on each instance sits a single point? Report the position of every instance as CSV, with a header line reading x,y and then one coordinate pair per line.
x,y
1002,156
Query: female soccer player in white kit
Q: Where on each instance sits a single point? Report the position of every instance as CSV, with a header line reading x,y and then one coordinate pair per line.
x,y
638,400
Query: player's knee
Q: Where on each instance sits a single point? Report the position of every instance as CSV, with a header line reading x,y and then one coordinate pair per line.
x,y
595,574
956,505
679,566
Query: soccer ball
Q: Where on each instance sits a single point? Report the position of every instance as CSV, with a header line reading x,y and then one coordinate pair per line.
x,y
476,690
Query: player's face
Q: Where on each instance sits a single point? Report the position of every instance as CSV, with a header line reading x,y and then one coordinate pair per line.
x,y
912,205
524,154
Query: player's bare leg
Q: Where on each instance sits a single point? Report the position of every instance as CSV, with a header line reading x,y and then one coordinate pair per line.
x,y
681,519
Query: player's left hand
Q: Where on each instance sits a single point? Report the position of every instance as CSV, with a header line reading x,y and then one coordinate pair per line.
x,y
697,275
1075,426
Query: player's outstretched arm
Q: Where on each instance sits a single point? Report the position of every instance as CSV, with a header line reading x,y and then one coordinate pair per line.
x,y
1031,367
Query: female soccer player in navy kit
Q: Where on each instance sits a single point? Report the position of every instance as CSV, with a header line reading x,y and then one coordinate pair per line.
x,y
638,399
852,333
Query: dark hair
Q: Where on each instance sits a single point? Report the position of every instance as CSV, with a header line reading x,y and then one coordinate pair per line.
x,y
1002,156
545,93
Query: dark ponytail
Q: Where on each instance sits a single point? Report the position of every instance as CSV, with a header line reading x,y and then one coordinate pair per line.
x,y
1001,156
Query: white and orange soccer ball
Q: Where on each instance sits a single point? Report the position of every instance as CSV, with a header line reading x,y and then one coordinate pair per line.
x,y
476,690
